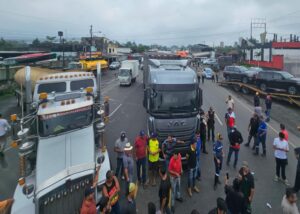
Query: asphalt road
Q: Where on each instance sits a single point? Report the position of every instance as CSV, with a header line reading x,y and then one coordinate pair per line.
x,y
128,114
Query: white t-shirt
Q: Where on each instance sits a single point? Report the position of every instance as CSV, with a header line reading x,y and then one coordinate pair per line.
x,y
230,103
288,208
4,127
281,144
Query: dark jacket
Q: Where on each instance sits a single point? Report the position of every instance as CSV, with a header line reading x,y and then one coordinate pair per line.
x,y
268,102
256,101
235,201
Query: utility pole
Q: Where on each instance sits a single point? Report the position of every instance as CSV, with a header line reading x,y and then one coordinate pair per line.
x,y
61,34
91,33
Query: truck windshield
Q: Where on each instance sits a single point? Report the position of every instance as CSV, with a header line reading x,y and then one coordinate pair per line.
x,y
53,124
124,73
174,101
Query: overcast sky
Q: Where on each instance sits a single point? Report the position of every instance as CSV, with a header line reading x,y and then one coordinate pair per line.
x,y
166,22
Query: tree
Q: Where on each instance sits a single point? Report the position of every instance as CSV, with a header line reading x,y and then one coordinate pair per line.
x,y
36,43
50,38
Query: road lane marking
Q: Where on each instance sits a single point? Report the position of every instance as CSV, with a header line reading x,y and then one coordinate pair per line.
x,y
270,126
219,119
114,111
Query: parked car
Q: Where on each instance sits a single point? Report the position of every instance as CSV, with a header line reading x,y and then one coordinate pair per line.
x,y
209,61
256,69
207,73
278,81
114,65
239,73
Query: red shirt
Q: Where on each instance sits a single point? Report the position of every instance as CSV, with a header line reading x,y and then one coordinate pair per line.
x,y
140,145
175,164
88,207
286,134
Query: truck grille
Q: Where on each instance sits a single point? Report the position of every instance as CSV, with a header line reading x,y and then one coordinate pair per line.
x,y
65,199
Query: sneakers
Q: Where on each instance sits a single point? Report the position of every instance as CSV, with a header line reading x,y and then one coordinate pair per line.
x,y
179,199
247,144
286,182
196,189
276,178
190,192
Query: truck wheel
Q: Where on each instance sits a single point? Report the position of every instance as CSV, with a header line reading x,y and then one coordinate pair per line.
x,y
245,80
292,90
263,87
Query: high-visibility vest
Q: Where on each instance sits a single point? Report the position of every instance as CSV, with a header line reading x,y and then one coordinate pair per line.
x,y
153,147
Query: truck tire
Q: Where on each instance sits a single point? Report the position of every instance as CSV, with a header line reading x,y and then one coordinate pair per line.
x,y
263,87
292,90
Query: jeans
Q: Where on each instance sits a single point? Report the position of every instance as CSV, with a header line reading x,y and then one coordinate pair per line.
x,y
198,168
250,138
262,140
211,129
119,167
218,167
203,140
268,114
141,163
236,155
115,209
228,131
280,165
297,181
175,183
192,177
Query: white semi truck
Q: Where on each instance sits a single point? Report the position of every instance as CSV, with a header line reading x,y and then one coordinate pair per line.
x,y
60,143
128,72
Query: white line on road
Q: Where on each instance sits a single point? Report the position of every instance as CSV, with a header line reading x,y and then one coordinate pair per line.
x,y
219,119
271,127
114,111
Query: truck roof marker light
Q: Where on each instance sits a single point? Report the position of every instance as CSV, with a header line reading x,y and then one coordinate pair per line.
x,y
13,117
75,75
71,76
51,77
72,101
56,77
66,76
61,76
44,105
21,181
80,75
62,103
14,144
43,96
41,78
68,102
46,78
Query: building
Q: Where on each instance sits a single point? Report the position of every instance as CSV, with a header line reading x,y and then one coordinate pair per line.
x,y
98,44
221,44
283,55
123,50
112,48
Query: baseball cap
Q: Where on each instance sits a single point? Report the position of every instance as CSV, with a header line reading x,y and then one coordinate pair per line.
x,y
142,132
123,134
219,136
245,164
132,187
153,135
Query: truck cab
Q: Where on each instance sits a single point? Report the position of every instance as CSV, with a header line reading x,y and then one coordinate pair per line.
x,y
172,98
128,72
59,152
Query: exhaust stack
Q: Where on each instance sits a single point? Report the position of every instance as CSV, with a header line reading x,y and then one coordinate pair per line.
x,y
98,83
28,95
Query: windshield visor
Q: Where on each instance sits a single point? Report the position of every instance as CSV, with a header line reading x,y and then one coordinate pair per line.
x,y
53,124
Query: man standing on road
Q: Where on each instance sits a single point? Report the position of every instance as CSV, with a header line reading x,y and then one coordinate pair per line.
x,y
268,102
153,155
203,127
198,152
128,164
217,76
247,185
164,192
297,178
281,148
218,158
288,203
221,207
235,139
119,149
256,100
230,102
252,128
192,167
175,170
211,124
4,128
235,199
261,136
168,148
284,131
140,146
229,120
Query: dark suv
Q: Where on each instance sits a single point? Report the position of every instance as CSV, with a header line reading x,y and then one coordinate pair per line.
x,y
278,81
239,73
